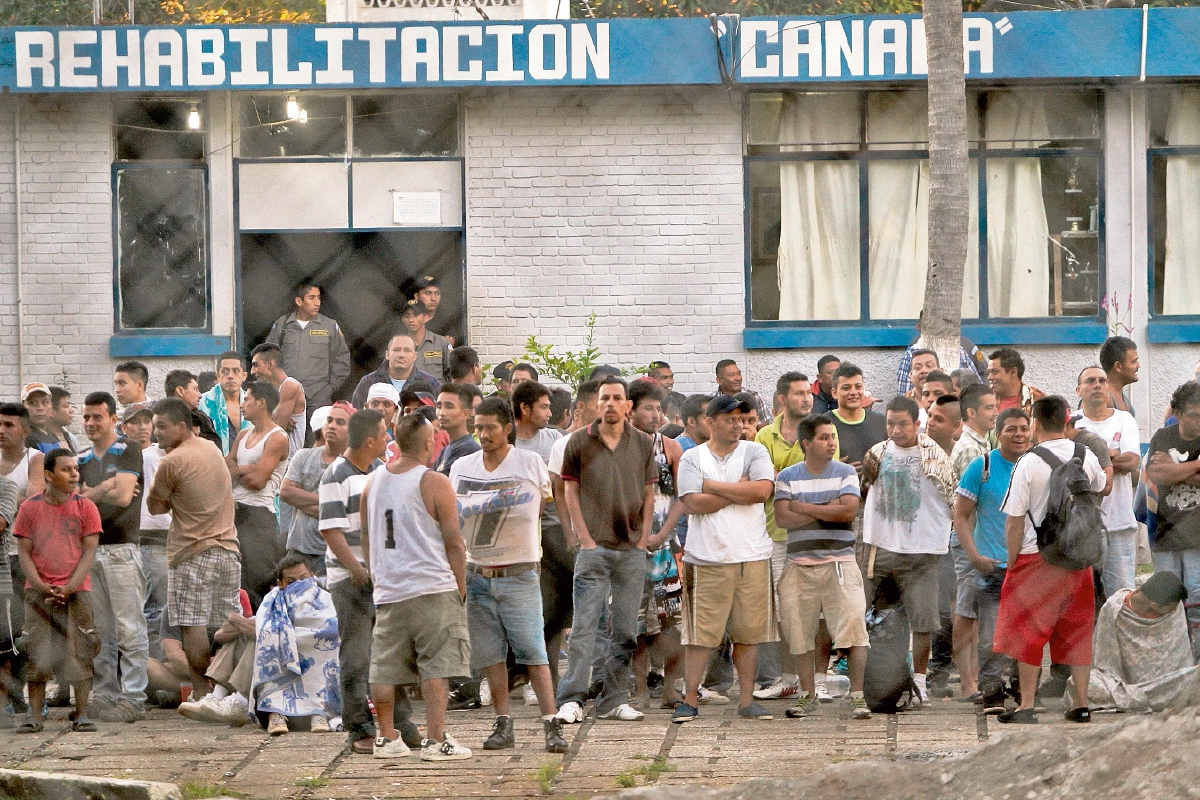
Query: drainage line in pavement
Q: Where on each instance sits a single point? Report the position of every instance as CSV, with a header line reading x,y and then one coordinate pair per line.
x,y
893,727
577,743
981,723
253,754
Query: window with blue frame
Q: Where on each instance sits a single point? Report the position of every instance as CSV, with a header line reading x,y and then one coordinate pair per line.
x,y
838,205
160,210
1174,200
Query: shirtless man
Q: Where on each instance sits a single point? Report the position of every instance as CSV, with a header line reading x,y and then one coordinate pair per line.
x,y
291,414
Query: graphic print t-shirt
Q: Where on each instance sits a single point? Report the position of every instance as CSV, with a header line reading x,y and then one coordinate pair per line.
x,y
498,511
905,512
1178,504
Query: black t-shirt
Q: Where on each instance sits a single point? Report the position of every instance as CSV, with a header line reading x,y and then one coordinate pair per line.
x,y
42,441
120,525
1178,504
855,439
462,446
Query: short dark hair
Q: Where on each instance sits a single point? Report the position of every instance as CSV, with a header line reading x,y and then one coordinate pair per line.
x,y
51,460
1114,350
825,361
784,384
363,425
231,355
588,390
644,389
174,410
611,380
269,350
1009,359
846,370
15,410
905,405
1006,415
748,397
57,395
462,391
495,407
265,392
1185,395
925,351
560,404
177,379
1050,412
463,360
407,432
695,407
659,365
136,370
526,394
206,380
597,374
725,362
965,378
289,561
674,402
806,429
525,366
302,288
1079,377
949,400
972,396
937,376
102,399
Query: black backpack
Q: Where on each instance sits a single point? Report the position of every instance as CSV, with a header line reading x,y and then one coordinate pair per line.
x,y
1071,535
887,680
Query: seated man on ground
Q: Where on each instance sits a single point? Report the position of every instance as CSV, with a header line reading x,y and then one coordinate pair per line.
x,y
1142,658
295,653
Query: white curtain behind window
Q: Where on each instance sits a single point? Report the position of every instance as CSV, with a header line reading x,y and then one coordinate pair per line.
x,y
818,242
1018,234
1181,279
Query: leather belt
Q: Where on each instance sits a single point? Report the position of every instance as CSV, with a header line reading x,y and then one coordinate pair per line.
x,y
512,570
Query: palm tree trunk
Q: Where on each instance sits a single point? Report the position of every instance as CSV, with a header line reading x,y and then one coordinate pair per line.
x,y
949,215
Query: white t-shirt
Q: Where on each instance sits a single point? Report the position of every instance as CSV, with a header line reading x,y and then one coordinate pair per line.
x,y
557,451
152,522
906,512
1119,432
735,534
1028,491
498,512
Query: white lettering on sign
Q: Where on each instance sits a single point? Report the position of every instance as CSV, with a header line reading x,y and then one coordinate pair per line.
x,y
537,52
281,73
879,46
981,44
451,58
839,47
27,62
754,64
377,39
335,41
157,58
793,48
411,56
199,57
505,70
417,209
70,61
920,56
585,50
249,74
111,60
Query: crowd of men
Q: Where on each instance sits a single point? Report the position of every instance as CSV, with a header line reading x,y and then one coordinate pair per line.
x,y
260,549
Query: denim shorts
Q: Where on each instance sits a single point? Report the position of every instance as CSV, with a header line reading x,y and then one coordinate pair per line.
x,y
505,613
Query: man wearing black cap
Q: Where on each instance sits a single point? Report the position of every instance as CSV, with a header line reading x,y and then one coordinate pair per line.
x,y
433,350
1141,652
502,373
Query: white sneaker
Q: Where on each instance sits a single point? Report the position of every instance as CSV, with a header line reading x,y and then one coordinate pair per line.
x,y
530,695
624,713
485,693
446,750
780,688
206,709
319,724
234,709
822,693
570,713
710,698
390,749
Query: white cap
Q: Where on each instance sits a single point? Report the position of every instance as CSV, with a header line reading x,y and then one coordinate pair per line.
x,y
385,390
319,418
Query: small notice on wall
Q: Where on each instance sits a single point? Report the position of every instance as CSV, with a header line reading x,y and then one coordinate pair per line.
x,y
417,209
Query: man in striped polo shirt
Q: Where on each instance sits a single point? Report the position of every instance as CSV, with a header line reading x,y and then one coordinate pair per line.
x,y
816,501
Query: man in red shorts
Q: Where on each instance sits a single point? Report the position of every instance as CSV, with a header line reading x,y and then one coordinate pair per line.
x,y
1039,602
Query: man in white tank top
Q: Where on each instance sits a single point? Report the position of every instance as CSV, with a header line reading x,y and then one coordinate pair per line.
x,y
291,413
257,461
417,561
23,466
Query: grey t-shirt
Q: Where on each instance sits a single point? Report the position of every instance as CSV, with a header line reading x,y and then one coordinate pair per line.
x,y
304,533
542,443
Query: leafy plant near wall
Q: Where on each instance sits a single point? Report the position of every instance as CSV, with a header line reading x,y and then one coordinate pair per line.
x,y
571,367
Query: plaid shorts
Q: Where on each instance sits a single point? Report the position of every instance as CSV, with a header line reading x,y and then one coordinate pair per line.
x,y
203,590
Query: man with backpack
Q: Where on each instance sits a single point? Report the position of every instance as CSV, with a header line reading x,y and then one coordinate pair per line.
x,y
1053,537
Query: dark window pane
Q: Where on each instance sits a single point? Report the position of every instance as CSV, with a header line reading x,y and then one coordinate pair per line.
x,y
269,132
157,129
162,263
387,125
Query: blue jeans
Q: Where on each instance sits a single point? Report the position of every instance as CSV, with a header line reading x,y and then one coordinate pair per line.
x,y
504,613
1120,561
119,602
154,567
599,573
1186,565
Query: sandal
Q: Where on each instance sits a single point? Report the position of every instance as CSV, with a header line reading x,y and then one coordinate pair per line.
x,y
83,725
30,727
671,704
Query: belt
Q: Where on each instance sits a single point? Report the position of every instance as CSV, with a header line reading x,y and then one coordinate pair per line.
x,y
512,570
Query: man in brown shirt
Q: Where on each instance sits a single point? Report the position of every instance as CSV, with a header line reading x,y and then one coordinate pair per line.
x,y
608,476
203,559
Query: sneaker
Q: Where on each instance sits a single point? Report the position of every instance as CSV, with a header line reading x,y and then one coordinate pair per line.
x,y
123,711
1081,714
823,695
530,694
624,713
555,741
389,749
858,707
570,713
502,736
277,724
234,709
710,698
206,709
684,713
319,723
1022,716
485,695
463,701
446,750
806,706
755,711
778,689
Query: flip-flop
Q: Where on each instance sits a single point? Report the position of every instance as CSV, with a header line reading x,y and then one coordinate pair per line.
x,y
672,705
30,727
83,725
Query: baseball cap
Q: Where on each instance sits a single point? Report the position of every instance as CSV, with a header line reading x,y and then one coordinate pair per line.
x,y
1074,417
319,417
424,398
425,281
1164,589
385,390
503,371
727,404
133,409
34,388
414,307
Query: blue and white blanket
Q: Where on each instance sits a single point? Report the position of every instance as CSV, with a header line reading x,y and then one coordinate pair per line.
x,y
296,652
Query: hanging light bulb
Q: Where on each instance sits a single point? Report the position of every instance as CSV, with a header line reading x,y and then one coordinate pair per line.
x,y
193,120
293,108
303,115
